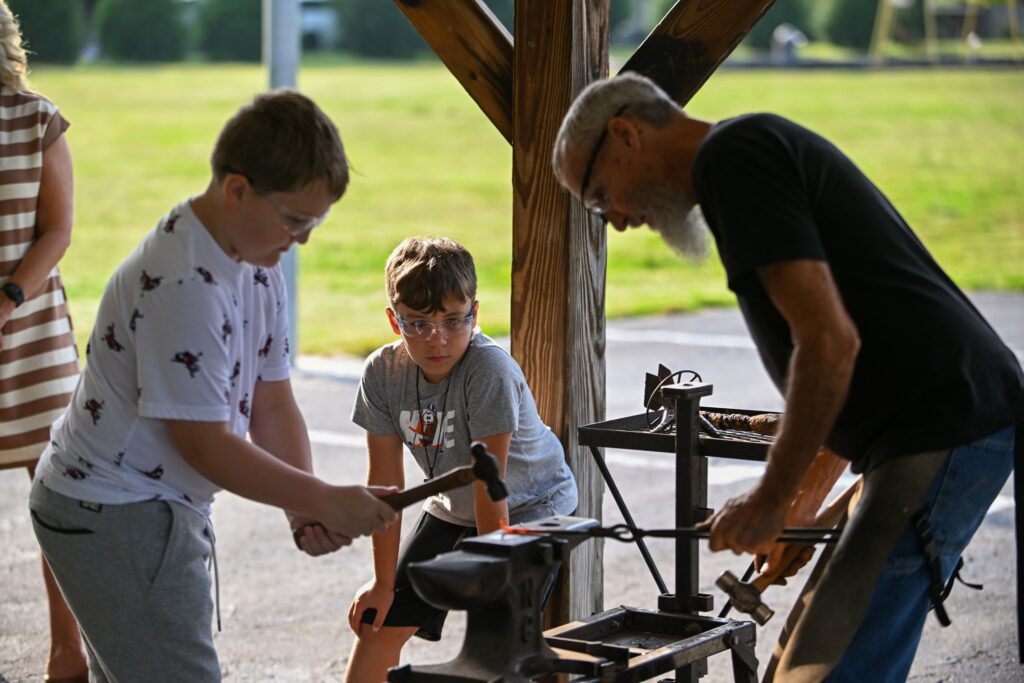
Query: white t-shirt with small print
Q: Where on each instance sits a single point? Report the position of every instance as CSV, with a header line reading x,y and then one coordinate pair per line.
x,y
183,332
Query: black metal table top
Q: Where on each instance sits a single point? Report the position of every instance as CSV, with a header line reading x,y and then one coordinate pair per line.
x,y
633,433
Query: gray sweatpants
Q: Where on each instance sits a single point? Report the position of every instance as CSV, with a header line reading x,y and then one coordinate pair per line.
x,y
136,579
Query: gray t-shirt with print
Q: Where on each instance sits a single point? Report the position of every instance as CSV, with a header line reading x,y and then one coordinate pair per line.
x,y
485,394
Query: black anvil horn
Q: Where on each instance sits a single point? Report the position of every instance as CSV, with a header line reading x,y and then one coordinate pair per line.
x,y
461,580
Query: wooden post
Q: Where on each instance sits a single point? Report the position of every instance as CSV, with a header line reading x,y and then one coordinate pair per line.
x,y
559,257
559,250
689,43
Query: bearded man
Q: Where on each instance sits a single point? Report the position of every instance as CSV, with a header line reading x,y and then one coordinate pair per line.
x,y
880,357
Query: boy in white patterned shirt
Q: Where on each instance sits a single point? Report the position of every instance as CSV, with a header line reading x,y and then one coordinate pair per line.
x,y
189,353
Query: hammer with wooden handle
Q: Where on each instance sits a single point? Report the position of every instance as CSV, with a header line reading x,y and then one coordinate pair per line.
x,y
746,597
484,468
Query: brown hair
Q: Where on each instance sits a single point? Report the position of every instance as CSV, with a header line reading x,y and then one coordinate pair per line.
x,y
282,142
13,62
424,271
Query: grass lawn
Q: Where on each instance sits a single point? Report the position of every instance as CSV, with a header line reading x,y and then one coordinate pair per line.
x,y
946,146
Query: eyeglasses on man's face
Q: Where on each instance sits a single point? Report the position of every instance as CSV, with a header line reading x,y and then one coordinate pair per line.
x,y
295,223
424,329
598,204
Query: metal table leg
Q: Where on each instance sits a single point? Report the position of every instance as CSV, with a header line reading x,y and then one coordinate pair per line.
x,y
607,475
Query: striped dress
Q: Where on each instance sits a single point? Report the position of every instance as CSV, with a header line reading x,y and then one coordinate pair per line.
x,y
39,361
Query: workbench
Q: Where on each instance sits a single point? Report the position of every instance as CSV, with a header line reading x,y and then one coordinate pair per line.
x,y
684,605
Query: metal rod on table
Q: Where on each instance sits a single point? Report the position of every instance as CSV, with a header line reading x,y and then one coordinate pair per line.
x,y
628,534
810,535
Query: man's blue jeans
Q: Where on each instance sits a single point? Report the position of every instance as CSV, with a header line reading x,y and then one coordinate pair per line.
x,y
885,643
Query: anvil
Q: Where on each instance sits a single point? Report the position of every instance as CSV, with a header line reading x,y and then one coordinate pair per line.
x,y
502,581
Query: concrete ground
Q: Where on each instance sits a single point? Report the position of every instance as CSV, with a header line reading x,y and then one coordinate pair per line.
x,y
284,613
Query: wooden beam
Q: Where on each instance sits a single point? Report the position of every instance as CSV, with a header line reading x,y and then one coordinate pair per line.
x,y
686,47
476,48
559,258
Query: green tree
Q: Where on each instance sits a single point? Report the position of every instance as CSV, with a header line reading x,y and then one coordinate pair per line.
x,y
505,11
140,30
53,30
851,23
794,12
231,30
371,28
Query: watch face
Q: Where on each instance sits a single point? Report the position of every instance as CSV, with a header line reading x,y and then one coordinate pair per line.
x,y
14,293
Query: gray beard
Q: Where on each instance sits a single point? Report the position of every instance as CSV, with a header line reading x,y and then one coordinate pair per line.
x,y
682,228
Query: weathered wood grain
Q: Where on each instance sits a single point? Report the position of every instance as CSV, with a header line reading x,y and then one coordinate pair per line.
x,y
558,256
690,42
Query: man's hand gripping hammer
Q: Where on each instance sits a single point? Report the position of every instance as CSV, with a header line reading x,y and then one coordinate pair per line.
x,y
746,597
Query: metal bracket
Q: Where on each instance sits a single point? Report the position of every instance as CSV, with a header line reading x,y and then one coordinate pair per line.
x,y
743,652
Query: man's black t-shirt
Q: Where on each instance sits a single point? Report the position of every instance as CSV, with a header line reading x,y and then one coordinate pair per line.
x,y
931,372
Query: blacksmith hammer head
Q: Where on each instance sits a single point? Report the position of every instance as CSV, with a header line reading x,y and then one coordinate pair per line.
x,y
745,598
485,468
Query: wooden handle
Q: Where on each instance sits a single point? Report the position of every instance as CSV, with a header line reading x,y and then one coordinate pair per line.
x,y
460,476
763,580
834,512
831,515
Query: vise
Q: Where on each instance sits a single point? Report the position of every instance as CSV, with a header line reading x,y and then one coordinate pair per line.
x,y
502,581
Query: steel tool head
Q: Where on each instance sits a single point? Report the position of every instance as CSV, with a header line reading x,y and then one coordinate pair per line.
x,y
745,597
485,468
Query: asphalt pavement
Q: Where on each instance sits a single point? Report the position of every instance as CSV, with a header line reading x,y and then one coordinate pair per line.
x,y
284,613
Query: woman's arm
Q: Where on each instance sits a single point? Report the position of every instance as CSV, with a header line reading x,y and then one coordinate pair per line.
x,y
54,216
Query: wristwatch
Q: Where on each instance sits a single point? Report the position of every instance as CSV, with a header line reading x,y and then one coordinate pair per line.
x,y
14,293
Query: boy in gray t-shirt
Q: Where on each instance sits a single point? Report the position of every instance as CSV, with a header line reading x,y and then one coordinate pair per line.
x,y
442,386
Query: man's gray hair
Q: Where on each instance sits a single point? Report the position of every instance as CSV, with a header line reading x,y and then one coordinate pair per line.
x,y
601,101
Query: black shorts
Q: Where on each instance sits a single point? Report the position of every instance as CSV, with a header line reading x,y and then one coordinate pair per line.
x,y
428,539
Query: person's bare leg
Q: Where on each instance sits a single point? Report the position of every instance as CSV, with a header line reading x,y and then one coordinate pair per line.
x,y
67,654
374,652
67,658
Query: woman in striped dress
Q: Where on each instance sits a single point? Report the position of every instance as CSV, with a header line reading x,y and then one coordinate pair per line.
x,y
38,359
